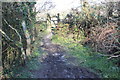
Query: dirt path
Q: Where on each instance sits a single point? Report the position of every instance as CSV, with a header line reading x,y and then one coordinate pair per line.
x,y
55,65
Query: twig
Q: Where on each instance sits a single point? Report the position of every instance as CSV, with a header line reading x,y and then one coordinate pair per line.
x,y
117,52
111,56
16,33
5,35
14,30
115,56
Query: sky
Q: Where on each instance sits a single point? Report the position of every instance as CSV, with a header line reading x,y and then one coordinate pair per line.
x,y
63,5
66,4
59,4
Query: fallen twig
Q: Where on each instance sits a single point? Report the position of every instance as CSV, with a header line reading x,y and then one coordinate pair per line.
x,y
114,56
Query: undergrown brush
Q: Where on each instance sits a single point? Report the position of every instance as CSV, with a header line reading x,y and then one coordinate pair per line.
x,y
32,64
99,64
105,40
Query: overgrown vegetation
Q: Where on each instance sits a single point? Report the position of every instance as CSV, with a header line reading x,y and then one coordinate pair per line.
x,y
17,34
93,38
94,60
88,34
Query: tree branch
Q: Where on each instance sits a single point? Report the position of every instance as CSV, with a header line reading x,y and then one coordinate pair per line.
x,y
114,56
5,35
14,30
12,43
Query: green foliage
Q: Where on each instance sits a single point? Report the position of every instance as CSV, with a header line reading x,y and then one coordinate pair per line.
x,y
32,64
37,52
87,58
25,72
43,26
13,15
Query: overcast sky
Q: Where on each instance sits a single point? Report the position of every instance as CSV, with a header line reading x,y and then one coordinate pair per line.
x,y
62,5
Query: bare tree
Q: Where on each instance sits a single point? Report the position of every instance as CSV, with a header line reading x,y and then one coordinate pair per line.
x,y
47,5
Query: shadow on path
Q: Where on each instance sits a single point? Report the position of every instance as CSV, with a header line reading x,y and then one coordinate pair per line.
x,y
55,65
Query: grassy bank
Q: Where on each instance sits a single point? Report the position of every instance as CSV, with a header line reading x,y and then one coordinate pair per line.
x,y
87,58
33,62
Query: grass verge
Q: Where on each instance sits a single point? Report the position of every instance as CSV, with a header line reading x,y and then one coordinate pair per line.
x,y
92,60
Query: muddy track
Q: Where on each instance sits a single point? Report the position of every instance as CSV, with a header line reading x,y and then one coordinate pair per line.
x,y
55,65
